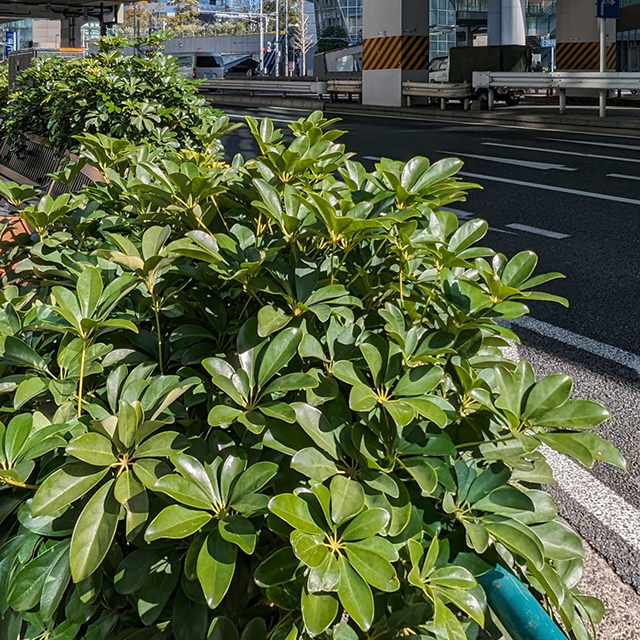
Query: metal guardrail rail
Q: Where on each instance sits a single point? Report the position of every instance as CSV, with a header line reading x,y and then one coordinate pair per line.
x,y
349,88
440,91
285,87
560,80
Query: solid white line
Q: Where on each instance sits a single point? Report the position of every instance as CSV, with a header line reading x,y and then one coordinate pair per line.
x,y
546,187
543,166
621,175
606,506
595,144
606,351
541,232
560,152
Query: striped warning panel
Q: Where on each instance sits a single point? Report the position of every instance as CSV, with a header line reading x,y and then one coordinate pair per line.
x,y
396,52
583,56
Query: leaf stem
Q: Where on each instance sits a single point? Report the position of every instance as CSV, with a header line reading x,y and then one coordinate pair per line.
x,y
18,484
156,313
83,358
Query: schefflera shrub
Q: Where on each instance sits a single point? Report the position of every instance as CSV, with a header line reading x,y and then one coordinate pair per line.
x,y
268,400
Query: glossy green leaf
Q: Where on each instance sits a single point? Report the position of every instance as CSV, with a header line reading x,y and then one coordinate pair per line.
x,y
216,566
176,522
355,596
94,449
94,532
318,611
347,498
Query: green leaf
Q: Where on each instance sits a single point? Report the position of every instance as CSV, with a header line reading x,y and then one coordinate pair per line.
x,y
309,548
16,436
519,269
65,486
89,288
347,498
270,320
469,233
216,566
547,394
278,568
94,532
559,542
21,353
355,595
176,522
94,449
183,490
517,537
252,480
239,531
373,567
55,585
367,524
362,398
585,447
419,381
314,464
423,473
278,354
574,414
132,495
317,427
295,512
318,611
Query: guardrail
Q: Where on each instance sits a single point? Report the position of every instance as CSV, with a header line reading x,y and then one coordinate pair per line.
x,y
349,88
439,91
560,80
284,87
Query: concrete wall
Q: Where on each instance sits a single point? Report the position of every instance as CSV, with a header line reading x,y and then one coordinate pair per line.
x,y
577,22
46,34
507,22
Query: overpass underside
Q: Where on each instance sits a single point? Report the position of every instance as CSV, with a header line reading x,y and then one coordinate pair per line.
x,y
57,9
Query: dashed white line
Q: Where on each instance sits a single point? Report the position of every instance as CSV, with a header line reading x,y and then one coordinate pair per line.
x,y
543,166
621,175
595,144
538,231
608,507
560,152
606,351
548,187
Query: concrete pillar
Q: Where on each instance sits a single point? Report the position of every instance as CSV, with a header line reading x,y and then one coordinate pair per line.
x,y
71,32
395,48
507,22
577,31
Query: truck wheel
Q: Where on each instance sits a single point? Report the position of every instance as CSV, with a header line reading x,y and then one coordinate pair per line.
x,y
483,98
512,100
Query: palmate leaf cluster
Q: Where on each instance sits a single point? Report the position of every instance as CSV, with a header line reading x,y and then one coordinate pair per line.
x,y
138,97
267,400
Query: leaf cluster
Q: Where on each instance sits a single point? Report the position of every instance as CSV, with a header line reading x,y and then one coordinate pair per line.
x,y
268,400
140,98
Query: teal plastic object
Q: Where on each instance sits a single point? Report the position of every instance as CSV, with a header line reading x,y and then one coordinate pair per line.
x,y
521,614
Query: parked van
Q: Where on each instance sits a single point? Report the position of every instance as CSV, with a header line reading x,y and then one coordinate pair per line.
x,y
201,65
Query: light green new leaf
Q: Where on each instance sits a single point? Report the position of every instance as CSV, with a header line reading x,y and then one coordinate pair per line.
x,y
347,498
318,611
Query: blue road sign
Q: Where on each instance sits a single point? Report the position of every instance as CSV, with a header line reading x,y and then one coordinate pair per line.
x,y
11,41
548,42
608,8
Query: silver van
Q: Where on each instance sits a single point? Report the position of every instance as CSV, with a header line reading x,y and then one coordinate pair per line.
x,y
200,65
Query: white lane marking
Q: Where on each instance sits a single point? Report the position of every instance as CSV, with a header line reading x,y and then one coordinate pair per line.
x,y
595,144
560,152
610,509
548,187
374,158
606,351
543,166
537,230
621,175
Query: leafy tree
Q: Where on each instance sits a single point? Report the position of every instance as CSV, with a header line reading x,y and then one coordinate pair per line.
x,y
268,400
134,97
333,37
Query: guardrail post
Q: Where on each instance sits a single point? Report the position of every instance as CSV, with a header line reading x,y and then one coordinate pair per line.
x,y
563,100
467,104
491,98
443,104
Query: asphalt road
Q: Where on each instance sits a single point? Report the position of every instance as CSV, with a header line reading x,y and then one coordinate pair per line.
x,y
574,199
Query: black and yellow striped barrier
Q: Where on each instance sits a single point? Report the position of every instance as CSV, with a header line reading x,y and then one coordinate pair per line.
x,y
410,53
583,56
